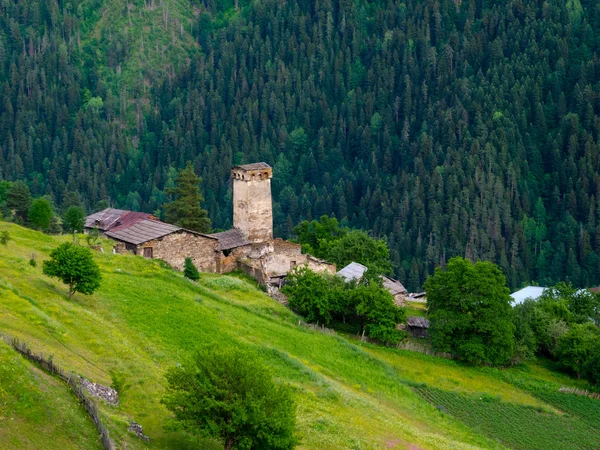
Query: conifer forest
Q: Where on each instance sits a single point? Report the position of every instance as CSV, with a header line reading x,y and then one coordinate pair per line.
x,y
447,127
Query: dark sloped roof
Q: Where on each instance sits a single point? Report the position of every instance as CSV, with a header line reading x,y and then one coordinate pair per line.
x,y
416,321
393,286
254,166
104,219
142,231
230,239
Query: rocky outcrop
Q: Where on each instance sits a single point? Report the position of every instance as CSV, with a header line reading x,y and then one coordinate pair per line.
x,y
109,395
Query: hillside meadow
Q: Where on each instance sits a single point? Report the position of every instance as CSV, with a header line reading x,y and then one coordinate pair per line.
x,y
146,318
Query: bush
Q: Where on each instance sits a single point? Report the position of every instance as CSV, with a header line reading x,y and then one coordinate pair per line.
x,y
228,394
190,271
4,237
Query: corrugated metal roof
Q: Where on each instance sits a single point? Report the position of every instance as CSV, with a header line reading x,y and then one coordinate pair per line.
x,y
393,286
130,218
532,292
353,271
416,321
230,239
104,219
142,231
254,166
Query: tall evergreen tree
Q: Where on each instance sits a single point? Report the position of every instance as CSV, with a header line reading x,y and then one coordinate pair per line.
x,y
185,209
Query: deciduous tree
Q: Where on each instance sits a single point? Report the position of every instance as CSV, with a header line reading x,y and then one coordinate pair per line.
x,y
40,213
74,266
469,310
229,394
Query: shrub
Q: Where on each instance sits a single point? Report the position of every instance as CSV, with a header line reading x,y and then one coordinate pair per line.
x,y
228,394
4,237
190,271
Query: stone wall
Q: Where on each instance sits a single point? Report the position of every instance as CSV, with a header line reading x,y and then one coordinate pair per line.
x,y
318,265
252,204
175,247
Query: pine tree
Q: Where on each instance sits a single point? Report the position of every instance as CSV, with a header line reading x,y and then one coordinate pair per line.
x,y
19,199
185,210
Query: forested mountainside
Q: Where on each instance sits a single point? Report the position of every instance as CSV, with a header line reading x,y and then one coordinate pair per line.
x,y
449,127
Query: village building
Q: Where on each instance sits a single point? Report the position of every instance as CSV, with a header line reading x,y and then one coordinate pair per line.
x,y
248,246
355,271
532,292
417,326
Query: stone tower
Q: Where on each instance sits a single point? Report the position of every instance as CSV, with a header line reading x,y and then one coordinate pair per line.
x,y
252,204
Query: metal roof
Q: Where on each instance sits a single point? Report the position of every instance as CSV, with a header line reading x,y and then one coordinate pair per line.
x,y
230,239
416,321
353,271
142,231
532,292
393,286
254,166
104,219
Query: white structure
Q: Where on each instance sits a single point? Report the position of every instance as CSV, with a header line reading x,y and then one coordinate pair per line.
x,y
532,292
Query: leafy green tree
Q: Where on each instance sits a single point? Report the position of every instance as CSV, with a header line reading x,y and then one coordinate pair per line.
x,y
576,347
185,210
74,219
18,199
229,394
190,271
40,213
358,246
74,266
469,310
591,369
309,293
378,315
316,235
326,239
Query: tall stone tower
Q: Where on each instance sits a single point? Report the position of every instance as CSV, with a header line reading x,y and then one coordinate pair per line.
x,y
252,204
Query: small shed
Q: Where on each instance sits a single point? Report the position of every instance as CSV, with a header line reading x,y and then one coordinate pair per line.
x,y
417,326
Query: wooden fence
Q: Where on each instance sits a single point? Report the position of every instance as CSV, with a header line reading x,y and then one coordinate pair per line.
x,y
582,392
423,348
72,380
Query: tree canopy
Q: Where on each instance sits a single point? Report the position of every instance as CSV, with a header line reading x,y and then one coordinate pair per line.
x,y
449,128
323,298
40,213
469,311
229,394
74,266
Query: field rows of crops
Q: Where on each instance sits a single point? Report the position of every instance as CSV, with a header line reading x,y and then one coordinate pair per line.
x,y
524,427
584,407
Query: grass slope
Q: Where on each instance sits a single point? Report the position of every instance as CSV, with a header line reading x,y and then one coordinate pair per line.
x,y
36,409
146,318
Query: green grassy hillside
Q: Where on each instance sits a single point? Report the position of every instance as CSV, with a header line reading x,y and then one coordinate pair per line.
x,y
145,318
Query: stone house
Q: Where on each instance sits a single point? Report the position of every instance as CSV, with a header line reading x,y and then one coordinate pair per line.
x,y
145,235
248,246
